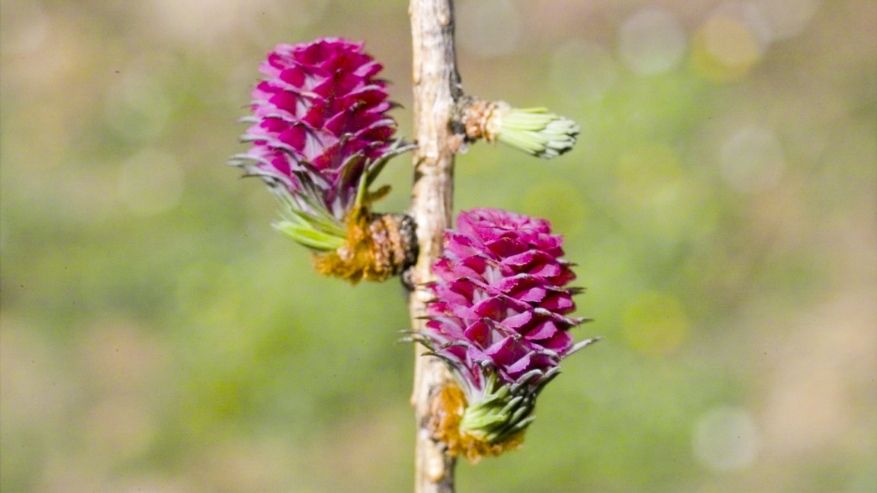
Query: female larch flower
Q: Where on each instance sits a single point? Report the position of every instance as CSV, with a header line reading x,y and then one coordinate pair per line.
x,y
320,134
500,319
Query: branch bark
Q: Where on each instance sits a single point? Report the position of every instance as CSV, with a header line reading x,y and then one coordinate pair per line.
x,y
436,89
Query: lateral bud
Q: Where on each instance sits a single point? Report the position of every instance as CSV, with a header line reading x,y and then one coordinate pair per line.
x,y
535,131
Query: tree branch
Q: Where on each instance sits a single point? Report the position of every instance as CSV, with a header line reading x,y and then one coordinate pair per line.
x,y
436,89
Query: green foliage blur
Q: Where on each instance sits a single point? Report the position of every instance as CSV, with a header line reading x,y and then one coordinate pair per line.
x,y
158,336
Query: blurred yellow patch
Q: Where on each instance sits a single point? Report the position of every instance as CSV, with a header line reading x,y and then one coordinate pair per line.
x,y
724,49
447,412
655,323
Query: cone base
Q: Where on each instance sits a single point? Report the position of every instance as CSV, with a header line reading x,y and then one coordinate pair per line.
x,y
448,409
377,247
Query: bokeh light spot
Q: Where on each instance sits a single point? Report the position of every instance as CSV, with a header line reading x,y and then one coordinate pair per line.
x,y
731,43
752,159
747,14
725,439
787,18
651,41
725,48
655,323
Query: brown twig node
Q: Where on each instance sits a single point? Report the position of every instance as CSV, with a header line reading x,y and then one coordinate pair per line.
x,y
481,119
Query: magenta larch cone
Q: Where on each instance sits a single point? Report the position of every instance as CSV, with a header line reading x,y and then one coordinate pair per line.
x,y
501,320
320,133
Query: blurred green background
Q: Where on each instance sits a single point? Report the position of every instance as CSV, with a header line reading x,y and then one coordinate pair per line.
x,y
158,336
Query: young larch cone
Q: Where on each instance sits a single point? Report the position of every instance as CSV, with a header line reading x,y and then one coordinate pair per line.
x,y
320,134
500,319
